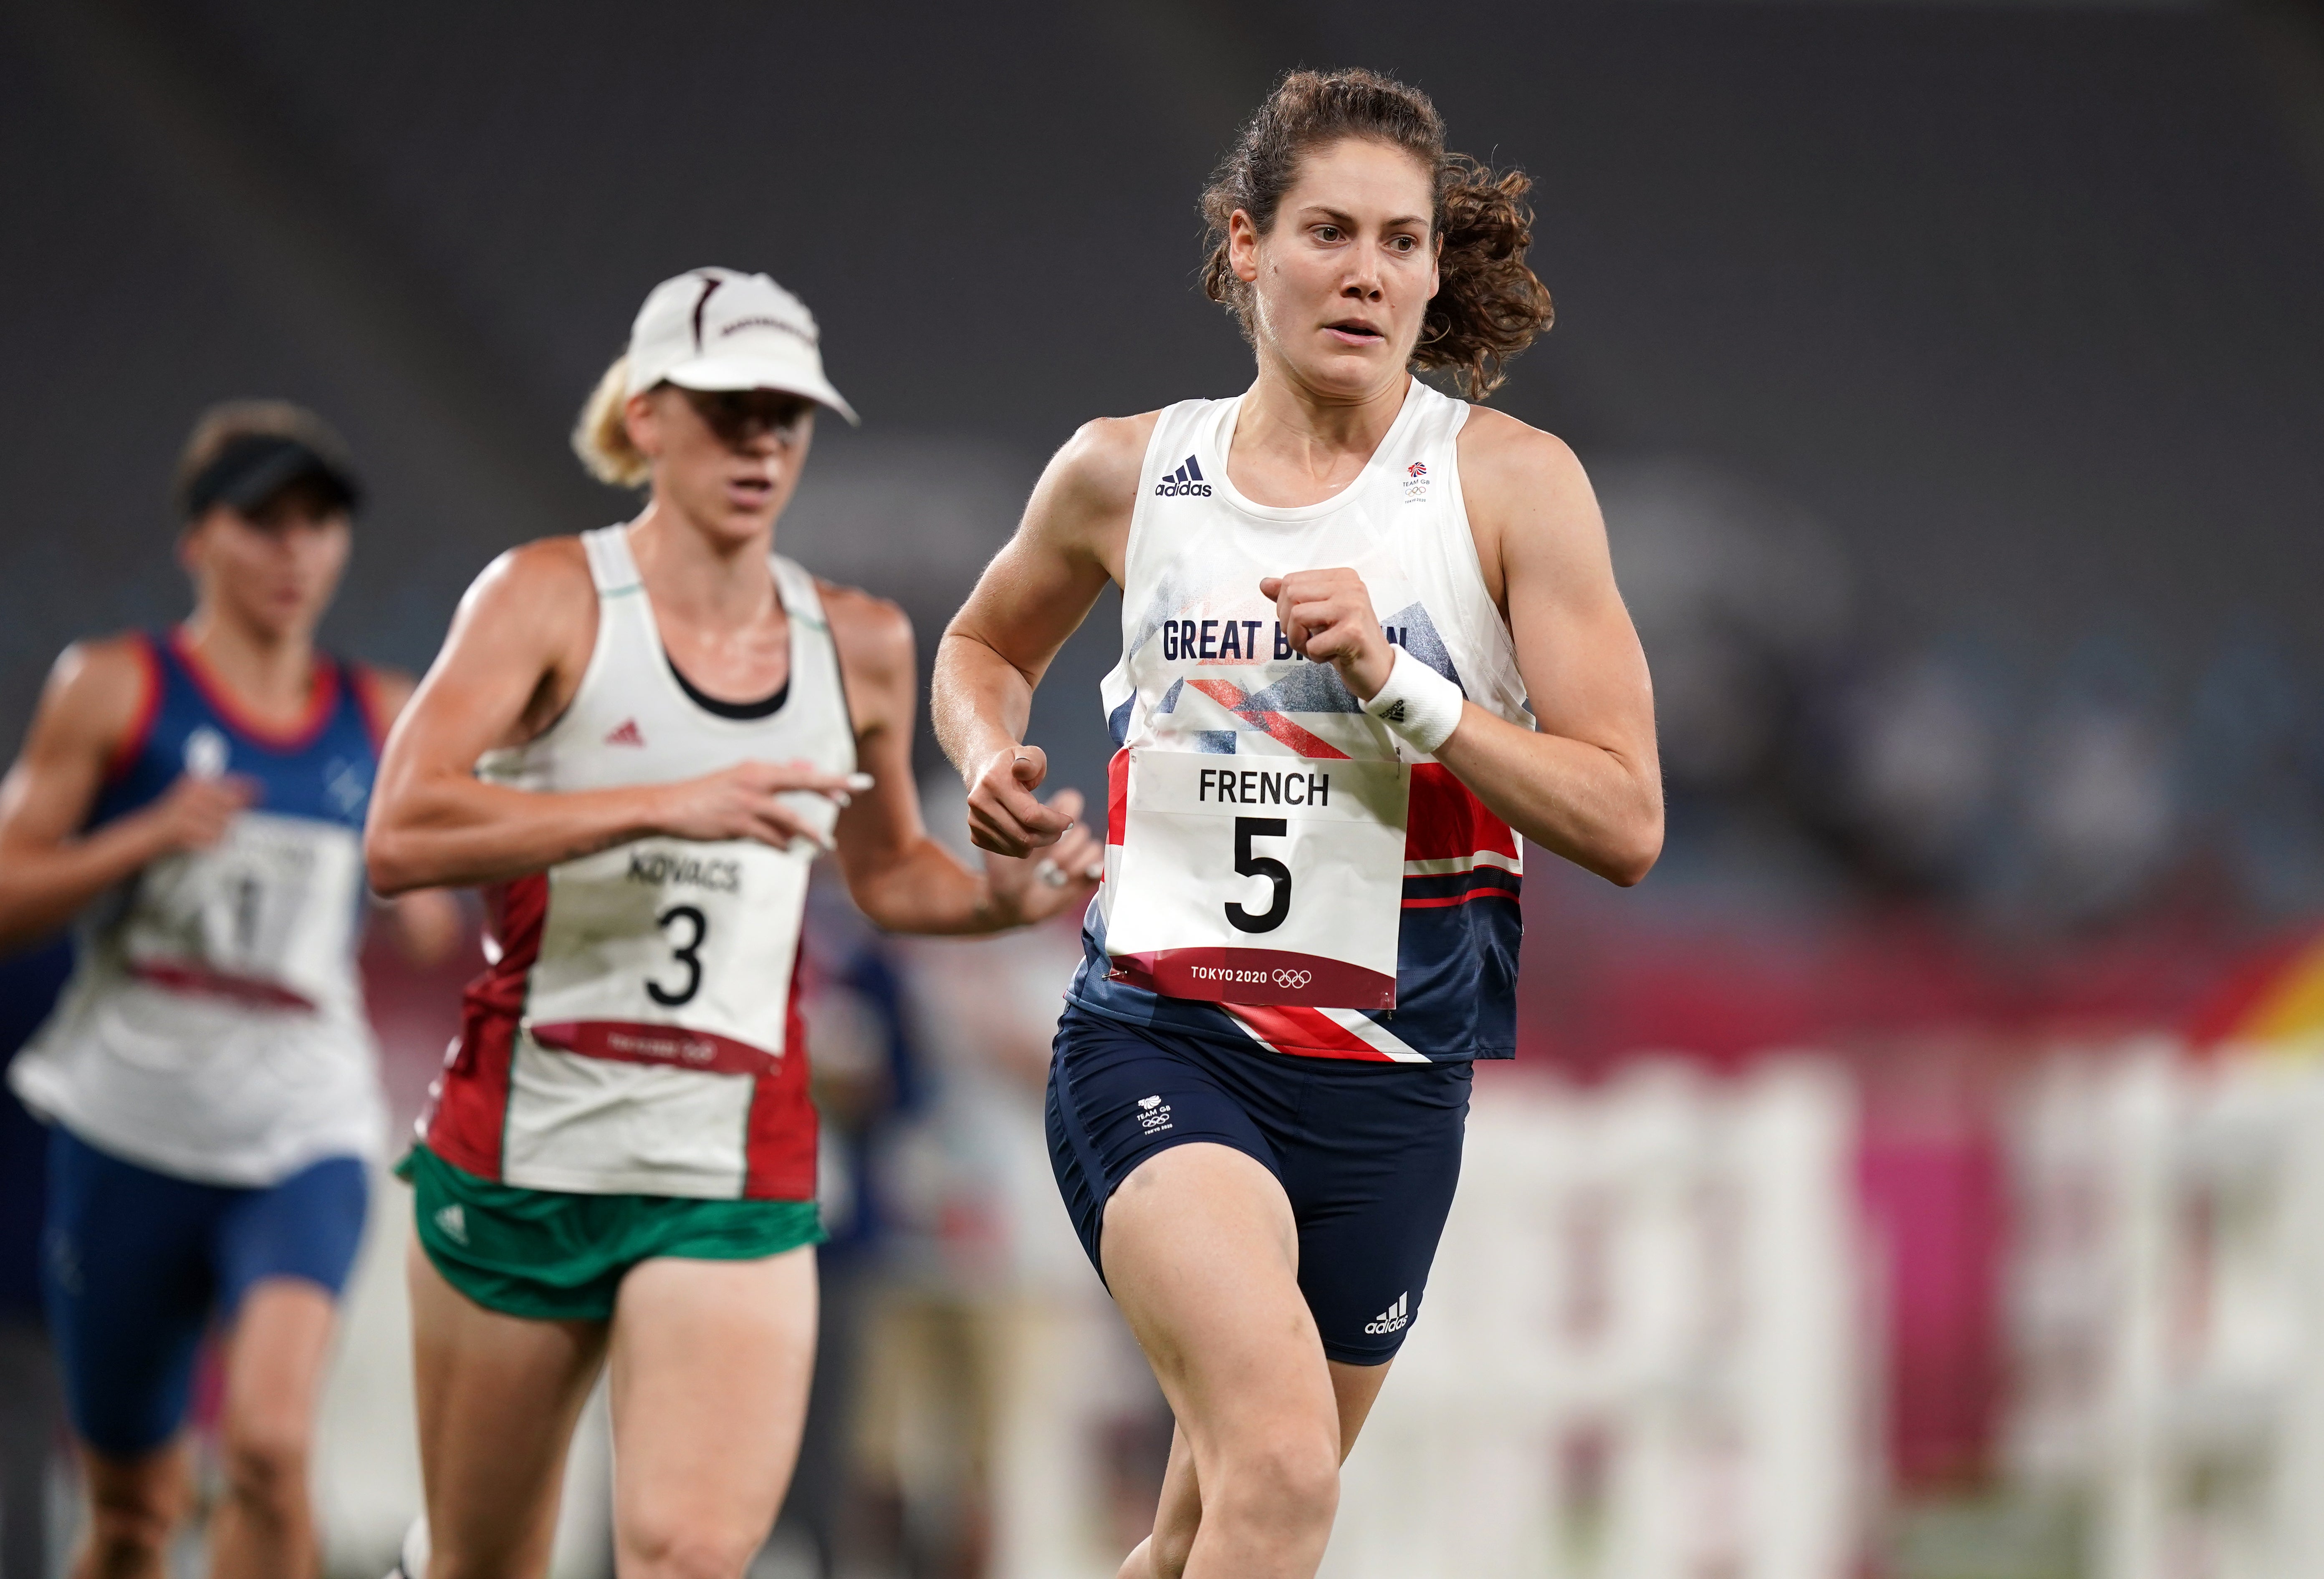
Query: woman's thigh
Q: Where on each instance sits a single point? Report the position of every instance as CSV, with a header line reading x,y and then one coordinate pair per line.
x,y
1201,1255
711,1363
277,1351
498,1396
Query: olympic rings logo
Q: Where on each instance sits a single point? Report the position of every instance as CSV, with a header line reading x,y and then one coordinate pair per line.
x,y
1294,979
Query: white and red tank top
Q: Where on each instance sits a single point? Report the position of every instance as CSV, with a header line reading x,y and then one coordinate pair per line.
x,y
636,1032
1281,869
214,1028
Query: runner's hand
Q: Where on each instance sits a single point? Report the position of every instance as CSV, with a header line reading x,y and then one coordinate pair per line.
x,y
1327,614
1003,815
740,803
193,812
1060,877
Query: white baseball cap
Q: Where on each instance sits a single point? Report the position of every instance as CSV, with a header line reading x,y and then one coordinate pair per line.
x,y
722,329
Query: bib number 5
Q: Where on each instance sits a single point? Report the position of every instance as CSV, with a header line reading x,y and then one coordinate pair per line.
x,y
1250,865
689,954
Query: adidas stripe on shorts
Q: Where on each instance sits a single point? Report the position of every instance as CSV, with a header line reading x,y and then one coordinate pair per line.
x,y
1368,1154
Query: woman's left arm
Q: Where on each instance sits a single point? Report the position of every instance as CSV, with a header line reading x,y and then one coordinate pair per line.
x,y
425,923
897,873
1585,782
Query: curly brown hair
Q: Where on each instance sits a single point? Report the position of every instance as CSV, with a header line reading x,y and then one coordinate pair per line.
x,y
1488,306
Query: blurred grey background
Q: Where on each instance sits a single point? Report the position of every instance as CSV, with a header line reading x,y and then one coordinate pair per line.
x,y
1952,377
1968,358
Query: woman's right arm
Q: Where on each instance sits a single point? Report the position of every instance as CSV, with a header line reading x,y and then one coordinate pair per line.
x,y
91,704
511,665
1035,594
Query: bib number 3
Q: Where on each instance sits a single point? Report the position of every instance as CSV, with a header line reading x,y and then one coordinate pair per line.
x,y
689,954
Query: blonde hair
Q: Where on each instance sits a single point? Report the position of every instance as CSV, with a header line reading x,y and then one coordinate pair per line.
x,y
602,436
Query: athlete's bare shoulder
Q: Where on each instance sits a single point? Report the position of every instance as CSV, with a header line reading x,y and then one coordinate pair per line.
x,y
1093,477
95,691
872,633
526,626
1500,452
552,568
877,658
1528,497
537,598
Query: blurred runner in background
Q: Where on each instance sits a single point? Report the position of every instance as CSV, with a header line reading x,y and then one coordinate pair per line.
x,y
1371,636
642,737
195,798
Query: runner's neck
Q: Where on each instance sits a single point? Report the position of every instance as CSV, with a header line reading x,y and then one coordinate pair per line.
x,y
722,589
1291,447
270,678
716,608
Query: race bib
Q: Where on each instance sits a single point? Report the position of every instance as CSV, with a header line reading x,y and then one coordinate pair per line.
x,y
267,915
671,951
1248,880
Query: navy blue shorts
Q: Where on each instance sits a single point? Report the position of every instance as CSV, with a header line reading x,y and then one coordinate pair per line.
x,y
1369,1154
136,1263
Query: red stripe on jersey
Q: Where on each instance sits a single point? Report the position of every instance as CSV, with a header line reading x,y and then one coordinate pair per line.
x,y
778,1148
149,708
1226,973
1448,821
1462,898
638,1041
1233,699
470,1102
200,980
1117,796
322,698
1304,1032
363,681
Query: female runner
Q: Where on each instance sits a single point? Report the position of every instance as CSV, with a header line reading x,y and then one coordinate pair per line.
x,y
209,1074
1369,636
642,737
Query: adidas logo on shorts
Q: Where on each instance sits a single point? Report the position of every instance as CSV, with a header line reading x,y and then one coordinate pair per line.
x,y
1395,1318
1187,480
452,1222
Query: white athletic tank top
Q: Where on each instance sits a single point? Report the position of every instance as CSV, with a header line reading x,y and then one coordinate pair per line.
x,y
214,1028
1280,867
635,1033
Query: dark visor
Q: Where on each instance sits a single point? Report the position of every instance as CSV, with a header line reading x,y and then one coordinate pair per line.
x,y
254,468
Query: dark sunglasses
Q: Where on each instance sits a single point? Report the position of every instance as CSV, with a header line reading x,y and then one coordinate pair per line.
x,y
739,415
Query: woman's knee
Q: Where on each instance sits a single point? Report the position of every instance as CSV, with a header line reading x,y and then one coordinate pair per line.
x,y
133,1513
1286,1477
657,1548
264,1465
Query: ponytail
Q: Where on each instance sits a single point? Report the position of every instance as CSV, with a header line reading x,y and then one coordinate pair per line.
x,y
602,435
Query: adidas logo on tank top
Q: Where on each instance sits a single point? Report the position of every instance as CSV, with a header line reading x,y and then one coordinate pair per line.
x,y
1185,483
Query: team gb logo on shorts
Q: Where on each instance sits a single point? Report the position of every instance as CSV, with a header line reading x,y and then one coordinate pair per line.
x,y
1153,1115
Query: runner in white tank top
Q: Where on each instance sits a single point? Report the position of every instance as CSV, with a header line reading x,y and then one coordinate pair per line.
x,y
191,801
1371,636
640,739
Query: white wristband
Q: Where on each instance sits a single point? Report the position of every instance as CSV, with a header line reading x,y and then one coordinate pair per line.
x,y
1421,705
